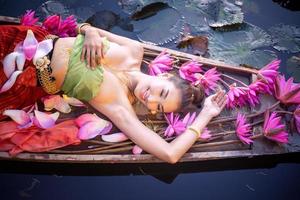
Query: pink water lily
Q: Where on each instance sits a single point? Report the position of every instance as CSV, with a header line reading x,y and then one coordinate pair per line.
x,y
243,129
188,69
136,150
269,72
208,80
52,24
162,63
27,119
67,27
114,137
176,126
91,126
29,49
237,96
61,104
273,129
28,18
297,118
287,92
205,135
189,119
261,87
253,95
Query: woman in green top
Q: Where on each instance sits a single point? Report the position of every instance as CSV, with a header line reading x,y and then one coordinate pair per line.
x,y
104,69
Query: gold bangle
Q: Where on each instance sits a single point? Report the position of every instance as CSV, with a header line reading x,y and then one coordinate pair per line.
x,y
78,29
194,131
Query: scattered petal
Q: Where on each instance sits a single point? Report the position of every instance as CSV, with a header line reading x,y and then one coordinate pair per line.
x,y
115,137
44,120
136,150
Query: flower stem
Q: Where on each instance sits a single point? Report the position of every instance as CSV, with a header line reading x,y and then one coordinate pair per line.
x,y
284,112
234,79
146,62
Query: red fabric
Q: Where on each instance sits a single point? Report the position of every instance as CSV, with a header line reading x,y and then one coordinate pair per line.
x,y
35,139
25,91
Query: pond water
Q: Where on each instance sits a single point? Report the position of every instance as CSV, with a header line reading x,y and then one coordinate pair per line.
x,y
271,31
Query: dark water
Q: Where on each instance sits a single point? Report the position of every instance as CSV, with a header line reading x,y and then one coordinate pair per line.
x,y
255,178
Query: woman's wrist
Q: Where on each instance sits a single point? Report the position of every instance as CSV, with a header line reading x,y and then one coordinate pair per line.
x,y
82,28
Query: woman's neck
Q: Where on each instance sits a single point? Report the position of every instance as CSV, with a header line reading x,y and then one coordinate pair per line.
x,y
134,78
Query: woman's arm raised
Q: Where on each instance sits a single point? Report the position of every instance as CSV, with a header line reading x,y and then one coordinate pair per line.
x,y
153,143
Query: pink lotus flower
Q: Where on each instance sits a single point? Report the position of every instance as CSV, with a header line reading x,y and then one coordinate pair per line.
x,y
162,63
29,49
269,72
28,18
208,80
62,28
273,129
252,95
287,92
205,135
297,118
260,87
176,126
189,119
26,120
187,70
61,104
91,125
243,129
237,96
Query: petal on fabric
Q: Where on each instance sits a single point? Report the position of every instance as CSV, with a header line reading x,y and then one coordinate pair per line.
x,y
115,137
90,130
30,45
19,116
136,150
44,120
85,118
10,82
43,49
73,101
9,63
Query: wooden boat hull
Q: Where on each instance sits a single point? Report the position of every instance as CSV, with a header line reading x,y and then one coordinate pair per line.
x,y
199,152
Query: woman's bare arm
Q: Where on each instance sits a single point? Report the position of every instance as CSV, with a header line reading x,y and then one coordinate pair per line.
x,y
153,143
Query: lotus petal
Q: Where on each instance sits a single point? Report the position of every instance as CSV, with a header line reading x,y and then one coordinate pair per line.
x,y
57,102
30,45
91,129
73,101
115,137
85,118
43,49
44,120
205,135
136,150
10,82
20,117
9,63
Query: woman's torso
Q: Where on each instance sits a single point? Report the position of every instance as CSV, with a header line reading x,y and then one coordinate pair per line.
x,y
116,59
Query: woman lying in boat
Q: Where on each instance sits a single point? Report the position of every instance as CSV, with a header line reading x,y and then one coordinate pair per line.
x,y
104,70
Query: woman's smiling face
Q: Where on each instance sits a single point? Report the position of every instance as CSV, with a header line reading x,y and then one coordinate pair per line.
x,y
158,94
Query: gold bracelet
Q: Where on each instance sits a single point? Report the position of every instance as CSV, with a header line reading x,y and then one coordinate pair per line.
x,y
78,29
194,131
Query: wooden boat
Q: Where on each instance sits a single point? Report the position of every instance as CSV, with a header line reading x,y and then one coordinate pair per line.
x,y
221,146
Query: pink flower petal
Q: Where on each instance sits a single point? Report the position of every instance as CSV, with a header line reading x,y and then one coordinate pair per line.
x,y
93,128
115,137
44,120
136,150
30,45
10,82
9,63
43,48
20,117
57,102
85,118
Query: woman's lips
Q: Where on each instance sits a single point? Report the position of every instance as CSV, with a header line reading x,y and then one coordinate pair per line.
x,y
145,94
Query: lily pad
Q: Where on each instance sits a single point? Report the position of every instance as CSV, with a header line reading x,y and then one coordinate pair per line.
x,y
242,47
162,28
194,44
149,10
286,37
133,6
293,67
52,8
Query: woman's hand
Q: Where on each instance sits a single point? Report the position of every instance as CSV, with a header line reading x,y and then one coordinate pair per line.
x,y
214,104
92,47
